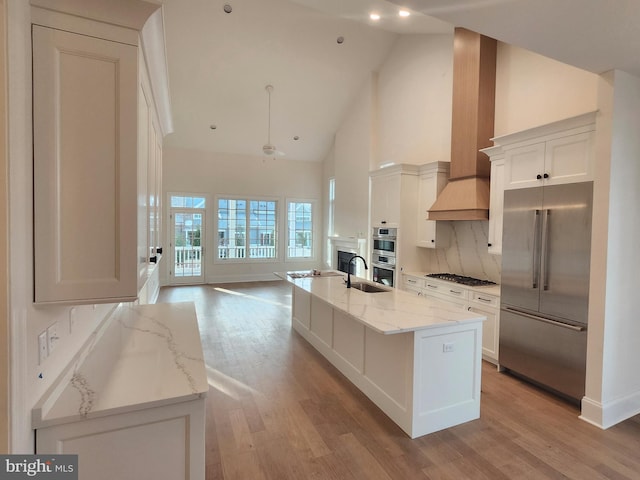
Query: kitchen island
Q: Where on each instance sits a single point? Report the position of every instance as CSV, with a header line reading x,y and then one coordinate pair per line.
x,y
418,360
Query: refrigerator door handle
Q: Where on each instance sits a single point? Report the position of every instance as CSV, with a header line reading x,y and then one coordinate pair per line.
x,y
544,262
576,328
535,257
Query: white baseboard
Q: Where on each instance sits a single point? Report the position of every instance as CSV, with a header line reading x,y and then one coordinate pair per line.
x,y
237,278
605,415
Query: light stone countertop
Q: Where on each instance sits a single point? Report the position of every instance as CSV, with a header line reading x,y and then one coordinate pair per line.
x,y
393,311
140,357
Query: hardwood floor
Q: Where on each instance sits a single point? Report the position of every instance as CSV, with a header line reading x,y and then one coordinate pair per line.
x,y
278,410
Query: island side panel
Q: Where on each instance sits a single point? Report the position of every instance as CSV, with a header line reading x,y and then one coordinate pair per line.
x,y
447,377
301,310
348,340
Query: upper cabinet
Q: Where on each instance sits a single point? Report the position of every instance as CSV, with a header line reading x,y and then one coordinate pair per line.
x,y
431,233
557,153
97,144
385,191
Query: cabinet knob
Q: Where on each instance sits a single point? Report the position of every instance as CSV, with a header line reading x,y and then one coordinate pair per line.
x,y
383,222
159,250
546,175
539,177
153,259
433,241
488,244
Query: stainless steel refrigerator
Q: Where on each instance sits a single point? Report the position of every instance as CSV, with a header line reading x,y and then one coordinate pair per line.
x,y
545,285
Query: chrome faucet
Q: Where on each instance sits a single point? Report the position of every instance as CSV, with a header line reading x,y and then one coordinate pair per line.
x,y
349,268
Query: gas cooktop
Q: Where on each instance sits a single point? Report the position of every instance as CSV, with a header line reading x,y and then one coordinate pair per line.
x,y
469,281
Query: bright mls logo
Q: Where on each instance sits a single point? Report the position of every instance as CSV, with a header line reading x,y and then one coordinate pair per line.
x,y
52,467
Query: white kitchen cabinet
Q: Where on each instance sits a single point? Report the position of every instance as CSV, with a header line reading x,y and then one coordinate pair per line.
x,y
496,199
468,298
557,153
413,284
488,305
97,148
85,179
385,198
447,291
431,233
393,203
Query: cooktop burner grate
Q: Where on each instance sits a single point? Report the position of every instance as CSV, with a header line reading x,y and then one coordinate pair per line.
x,y
469,281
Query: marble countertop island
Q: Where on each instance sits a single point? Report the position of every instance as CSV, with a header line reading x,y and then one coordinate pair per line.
x,y
142,356
389,312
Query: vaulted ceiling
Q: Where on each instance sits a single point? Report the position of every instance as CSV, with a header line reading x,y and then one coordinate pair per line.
x,y
220,63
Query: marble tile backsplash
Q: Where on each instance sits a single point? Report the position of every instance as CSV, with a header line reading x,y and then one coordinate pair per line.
x,y
467,253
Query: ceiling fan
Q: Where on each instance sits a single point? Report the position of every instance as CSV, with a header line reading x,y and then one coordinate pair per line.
x,y
269,148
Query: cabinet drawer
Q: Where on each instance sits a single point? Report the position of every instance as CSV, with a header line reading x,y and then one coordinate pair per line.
x,y
490,301
413,282
449,289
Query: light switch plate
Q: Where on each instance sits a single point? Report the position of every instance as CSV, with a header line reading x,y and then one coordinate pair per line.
x,y
52,337
43,350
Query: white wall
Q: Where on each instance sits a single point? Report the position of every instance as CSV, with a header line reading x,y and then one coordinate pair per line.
x,y
533,90
613,384
192,171
414,100
352,160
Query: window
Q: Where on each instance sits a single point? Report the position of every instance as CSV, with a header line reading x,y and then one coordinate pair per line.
x,y
300,228
180,201
332,204
247,229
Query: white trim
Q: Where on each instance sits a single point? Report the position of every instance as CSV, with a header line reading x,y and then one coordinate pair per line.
x,y
278,226
608,414
154,51
242,277
20,153
315,227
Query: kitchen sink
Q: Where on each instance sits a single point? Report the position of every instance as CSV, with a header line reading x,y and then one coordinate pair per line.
x,y
367,287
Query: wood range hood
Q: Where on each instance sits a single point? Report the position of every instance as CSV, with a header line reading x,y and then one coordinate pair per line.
x,y
466,196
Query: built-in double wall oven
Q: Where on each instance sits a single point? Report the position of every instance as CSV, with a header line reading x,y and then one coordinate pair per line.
x,y
383,255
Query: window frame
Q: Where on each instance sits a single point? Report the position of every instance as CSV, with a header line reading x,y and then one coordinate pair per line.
x,y
247,259
314,229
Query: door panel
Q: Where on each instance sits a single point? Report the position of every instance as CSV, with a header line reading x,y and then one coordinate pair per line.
x,y
187,240
564,281
551,355
521,236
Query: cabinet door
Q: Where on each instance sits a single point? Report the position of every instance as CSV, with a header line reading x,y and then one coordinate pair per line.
x,y
569,159
523,166
490,331
496,207
385,200
85,147
431,234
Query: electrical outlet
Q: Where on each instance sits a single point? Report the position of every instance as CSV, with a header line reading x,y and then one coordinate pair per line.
x,y
52,337
447,347
43,349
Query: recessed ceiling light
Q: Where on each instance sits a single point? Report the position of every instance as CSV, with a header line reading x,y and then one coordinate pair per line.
x,y
374,16
227,8
212,127
296,138
404,13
